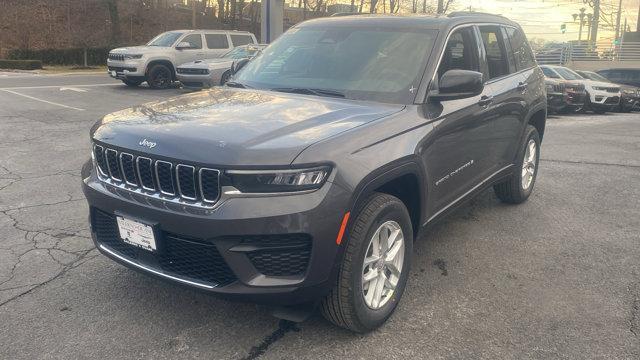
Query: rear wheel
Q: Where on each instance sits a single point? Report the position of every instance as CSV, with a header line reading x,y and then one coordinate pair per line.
x,y
375,266
517,188
160,77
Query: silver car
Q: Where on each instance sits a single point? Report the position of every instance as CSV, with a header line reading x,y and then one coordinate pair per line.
x,y
211,72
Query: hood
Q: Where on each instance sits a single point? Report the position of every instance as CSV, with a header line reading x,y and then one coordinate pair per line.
x,y
142,49
227,126
602,84
208,63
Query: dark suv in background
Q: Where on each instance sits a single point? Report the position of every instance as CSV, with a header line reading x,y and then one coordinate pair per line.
x,y
307,178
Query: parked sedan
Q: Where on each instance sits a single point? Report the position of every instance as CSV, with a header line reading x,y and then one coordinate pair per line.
x,y
211,72
630,94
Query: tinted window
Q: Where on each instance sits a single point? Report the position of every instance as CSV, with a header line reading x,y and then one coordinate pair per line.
x,y
195,40
521,50
239,40
461,52
217,41
496,54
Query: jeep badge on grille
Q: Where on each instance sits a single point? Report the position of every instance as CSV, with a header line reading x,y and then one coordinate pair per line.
x,y
147,143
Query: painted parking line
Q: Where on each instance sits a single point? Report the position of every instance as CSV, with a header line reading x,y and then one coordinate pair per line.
x,y
57,86
42,100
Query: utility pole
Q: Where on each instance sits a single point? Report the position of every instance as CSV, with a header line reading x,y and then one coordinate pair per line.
x,y
594,21
618,20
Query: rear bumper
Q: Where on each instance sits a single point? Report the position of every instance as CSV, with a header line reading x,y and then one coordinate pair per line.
x,y
317,215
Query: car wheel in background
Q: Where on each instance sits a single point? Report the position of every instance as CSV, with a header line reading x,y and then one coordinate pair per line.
x,y
225,77
517,188
374,268
132,83
160,77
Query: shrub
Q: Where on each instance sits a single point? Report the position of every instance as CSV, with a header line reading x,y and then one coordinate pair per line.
x,y
95,56
21,64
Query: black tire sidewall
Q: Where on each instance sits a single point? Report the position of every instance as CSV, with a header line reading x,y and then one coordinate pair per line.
x,y
152,74
225,77
370,318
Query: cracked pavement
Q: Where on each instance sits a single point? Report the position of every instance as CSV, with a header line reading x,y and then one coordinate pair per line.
x,y
557,277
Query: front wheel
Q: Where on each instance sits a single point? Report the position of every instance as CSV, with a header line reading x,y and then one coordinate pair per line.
x,y
159,77
517,188
132,83
375,266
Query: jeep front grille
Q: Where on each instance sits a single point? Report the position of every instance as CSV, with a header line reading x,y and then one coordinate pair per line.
x,y
185,183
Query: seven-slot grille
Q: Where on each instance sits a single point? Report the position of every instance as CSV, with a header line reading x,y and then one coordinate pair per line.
x,y
178,181
117,57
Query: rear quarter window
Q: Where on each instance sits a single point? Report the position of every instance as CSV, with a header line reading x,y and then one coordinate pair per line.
x,y
239,40
521,50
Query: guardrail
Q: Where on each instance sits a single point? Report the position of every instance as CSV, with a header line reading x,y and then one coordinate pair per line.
x,y
602,52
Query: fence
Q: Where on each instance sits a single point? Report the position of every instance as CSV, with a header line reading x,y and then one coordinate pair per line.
x,y
592,54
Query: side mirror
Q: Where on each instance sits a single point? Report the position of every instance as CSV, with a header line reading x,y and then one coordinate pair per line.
x,y
183,45
238,64
458,84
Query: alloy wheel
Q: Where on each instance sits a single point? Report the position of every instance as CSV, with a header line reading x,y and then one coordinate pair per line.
x,y
529,164
382,265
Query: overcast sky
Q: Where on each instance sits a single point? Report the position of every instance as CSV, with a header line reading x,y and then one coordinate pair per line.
x,y
542,19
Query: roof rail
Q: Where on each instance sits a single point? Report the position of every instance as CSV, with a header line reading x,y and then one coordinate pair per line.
x,y
473,13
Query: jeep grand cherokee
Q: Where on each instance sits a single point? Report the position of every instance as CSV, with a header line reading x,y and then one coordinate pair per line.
x,y
309,176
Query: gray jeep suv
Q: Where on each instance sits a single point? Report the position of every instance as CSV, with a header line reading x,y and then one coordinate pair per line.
x,y
307,178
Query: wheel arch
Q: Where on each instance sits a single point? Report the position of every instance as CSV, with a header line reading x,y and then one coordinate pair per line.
x,y
404,179
538,120
165,62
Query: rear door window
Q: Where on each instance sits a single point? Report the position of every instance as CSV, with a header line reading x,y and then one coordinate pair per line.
x,y
495,50
239,40
521,51
217,41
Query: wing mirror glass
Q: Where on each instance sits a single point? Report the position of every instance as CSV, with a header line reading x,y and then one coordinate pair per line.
x,y
458,84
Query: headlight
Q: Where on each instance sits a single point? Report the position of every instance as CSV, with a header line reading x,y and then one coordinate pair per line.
x,y
131,56
629,91
272,181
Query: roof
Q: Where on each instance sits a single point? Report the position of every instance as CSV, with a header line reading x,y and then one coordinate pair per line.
x,y
425,21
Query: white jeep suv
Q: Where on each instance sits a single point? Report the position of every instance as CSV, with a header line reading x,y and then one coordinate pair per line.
x,y
156,62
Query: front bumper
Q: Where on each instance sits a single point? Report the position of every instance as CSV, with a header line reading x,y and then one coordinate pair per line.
x,y
604,99
192,81
122,70
565,101
316,215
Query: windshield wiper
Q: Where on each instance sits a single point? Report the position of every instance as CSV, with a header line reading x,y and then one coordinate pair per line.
x,y
236,84
310,91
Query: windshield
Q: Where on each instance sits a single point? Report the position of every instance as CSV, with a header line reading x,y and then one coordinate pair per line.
x,y
357,61
165,39
596,77
241,52
568,74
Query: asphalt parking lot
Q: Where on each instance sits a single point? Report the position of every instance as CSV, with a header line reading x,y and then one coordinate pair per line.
x,y
556,277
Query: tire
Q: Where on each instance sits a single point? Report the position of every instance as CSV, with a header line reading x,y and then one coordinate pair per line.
x,y
132,83
517,188
225,77
346,305
159,77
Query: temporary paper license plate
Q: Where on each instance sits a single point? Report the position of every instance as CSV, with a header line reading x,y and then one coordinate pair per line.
x,y
136,233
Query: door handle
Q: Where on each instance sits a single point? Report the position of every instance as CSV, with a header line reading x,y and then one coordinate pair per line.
x,y
522,86
485,100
